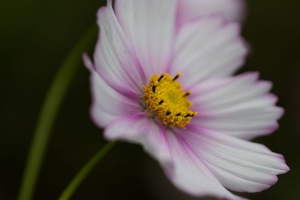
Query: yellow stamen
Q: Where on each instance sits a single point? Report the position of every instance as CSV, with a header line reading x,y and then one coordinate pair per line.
x,y
167,100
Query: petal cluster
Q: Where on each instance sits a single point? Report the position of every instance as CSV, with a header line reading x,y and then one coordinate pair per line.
x,y
142,38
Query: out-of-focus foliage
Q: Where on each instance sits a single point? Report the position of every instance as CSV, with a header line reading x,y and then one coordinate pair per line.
x,y
35,36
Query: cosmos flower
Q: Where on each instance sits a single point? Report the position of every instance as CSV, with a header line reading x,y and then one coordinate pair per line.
x,y
171,89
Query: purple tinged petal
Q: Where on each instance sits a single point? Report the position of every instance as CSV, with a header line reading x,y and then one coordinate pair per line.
x,y
150,27
239,165
113,57
142,129
240,106
206,48
87,62
107,103
190,174
233,10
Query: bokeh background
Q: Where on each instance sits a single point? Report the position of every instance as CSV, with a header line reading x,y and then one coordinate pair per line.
x,y
36,36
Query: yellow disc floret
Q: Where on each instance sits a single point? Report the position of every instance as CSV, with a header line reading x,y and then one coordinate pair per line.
x,y
167,100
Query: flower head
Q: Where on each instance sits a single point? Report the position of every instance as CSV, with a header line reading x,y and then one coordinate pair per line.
x,y
171,88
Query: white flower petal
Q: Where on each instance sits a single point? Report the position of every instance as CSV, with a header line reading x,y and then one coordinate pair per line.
x,y
142,129
233,10
190,173
208,47
149,25
107,103
114,58
239,106
238,164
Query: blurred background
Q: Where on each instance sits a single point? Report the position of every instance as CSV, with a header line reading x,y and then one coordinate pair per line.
x,y
36,36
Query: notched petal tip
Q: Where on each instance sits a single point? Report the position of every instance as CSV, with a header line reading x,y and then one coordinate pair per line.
x,y
233,10
102,10
87,61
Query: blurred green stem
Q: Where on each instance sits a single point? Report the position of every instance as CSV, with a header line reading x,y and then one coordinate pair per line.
x,y
49,111
73,185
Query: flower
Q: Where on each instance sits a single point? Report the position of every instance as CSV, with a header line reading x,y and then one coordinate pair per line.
x,y
171,89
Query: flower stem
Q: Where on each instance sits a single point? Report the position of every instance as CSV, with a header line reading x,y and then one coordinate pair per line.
x,y
73,185
48,113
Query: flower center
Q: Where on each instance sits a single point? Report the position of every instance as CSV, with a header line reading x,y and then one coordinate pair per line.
x,y
167,100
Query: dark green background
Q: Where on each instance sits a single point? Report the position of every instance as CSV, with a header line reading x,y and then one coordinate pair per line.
x,y
35,37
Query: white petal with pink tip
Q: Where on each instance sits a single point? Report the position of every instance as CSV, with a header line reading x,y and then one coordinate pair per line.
x,y
190,173
207,48
238,164
150,26
142,129
114,58
233,10
109,104
239,106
